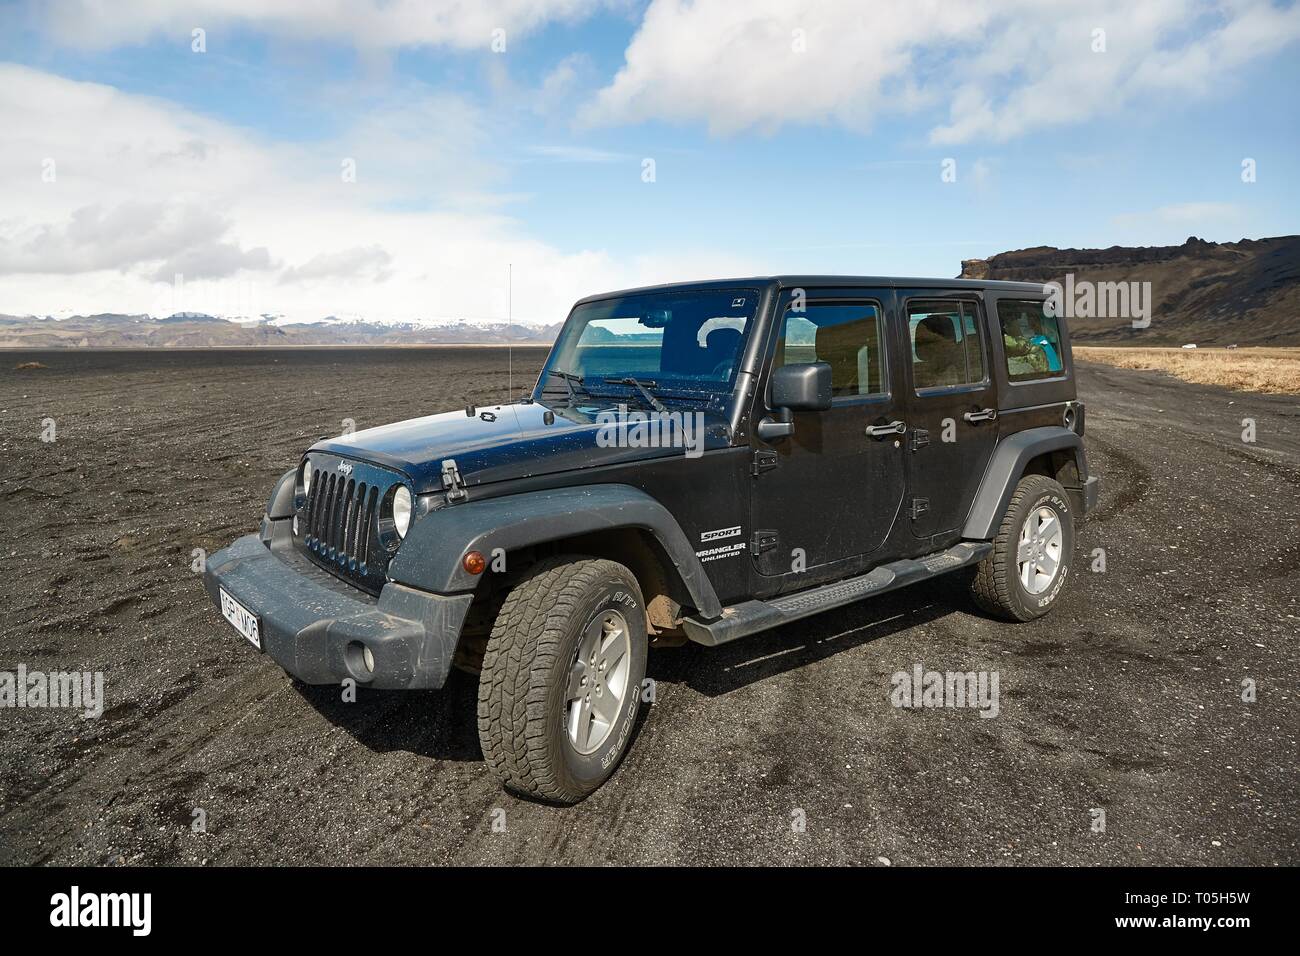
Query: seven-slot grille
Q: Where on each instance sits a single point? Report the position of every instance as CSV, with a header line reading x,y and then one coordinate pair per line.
x,y
339,521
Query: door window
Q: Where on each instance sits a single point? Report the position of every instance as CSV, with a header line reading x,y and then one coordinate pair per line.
x,y
846,336
1031,339
947,347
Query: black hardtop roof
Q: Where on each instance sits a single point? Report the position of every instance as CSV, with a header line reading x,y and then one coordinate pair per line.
x,y
802,281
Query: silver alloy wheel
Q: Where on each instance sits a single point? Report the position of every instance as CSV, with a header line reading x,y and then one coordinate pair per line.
x,y
598,681
1038,554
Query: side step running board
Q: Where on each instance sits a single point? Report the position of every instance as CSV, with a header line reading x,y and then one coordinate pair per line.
x,y
741,620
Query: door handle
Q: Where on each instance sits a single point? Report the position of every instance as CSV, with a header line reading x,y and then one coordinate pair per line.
x,y
983,415
893,428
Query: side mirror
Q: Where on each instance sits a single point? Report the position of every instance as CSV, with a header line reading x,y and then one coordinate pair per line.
x,y
796,388
802,388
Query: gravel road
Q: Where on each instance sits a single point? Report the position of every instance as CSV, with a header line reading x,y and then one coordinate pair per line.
x,y
1127,699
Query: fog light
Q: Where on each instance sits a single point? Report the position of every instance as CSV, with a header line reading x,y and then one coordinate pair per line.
x,y
295,524
475,563
360,660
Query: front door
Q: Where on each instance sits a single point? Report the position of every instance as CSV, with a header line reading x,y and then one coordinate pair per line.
x,y
951,408
831,491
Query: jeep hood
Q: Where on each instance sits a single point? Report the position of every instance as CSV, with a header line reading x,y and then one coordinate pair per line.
x,y
503,442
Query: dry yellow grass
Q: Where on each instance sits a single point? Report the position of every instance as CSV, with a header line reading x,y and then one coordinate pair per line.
x,y
1273,370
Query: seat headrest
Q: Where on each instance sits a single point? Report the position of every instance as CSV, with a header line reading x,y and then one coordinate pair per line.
x,y
938,350
722,340
838,345
936,328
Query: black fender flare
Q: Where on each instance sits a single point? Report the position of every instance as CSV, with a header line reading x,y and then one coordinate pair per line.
x,y
430,557
1007,466
280,504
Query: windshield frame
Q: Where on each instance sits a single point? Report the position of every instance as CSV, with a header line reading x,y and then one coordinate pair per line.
x,y
594,389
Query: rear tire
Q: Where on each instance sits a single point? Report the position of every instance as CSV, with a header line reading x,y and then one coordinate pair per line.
x,y
1021,578
561,682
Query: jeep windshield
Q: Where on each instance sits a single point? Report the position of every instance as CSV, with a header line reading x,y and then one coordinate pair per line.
x,y
656,346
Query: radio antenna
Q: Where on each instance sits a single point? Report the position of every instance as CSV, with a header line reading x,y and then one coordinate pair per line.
x,y
510,317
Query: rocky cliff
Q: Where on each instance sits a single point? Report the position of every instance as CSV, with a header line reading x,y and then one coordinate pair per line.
x,y
1212,293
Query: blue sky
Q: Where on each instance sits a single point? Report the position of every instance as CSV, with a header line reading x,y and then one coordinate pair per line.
x,y
805,136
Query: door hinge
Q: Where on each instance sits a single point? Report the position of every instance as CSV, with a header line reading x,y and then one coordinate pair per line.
x,y
920,438
763,541
452,481
764,460
919,507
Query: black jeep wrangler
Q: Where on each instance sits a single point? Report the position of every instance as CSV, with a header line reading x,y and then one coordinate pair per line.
x,y
695,462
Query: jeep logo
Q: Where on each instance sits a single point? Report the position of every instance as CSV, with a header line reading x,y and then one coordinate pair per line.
x,y
345,467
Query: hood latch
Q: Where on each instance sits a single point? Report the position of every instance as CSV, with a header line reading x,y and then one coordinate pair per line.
x,y
452,481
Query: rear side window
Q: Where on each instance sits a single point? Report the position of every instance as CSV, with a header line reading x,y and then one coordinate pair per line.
x,y
947,348
845,336
1031,339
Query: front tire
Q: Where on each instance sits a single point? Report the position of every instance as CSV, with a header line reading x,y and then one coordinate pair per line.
x,y
561,682
1021,578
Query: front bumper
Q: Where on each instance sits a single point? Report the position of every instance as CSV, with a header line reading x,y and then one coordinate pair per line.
x,y
316,627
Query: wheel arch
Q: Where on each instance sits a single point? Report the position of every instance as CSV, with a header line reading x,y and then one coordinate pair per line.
x,y
638,550
1053,451
618,522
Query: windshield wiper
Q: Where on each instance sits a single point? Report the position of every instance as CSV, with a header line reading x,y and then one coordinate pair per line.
x,y
569,378
643,386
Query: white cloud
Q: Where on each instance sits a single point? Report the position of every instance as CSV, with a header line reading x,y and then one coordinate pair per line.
x,y
578,154
1190,215
998,69
1002,67
143,190
369,262
179,237
561,82
376,24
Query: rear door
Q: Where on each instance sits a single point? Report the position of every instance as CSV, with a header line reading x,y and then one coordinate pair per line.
x,y
952,415
830,492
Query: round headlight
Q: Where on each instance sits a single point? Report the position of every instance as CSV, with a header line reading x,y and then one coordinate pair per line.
x,y
402,510
306,477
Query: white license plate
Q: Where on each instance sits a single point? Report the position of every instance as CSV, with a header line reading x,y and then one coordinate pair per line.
x,y
245,621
